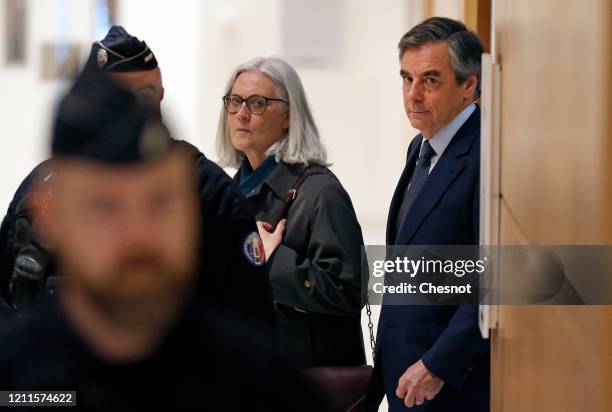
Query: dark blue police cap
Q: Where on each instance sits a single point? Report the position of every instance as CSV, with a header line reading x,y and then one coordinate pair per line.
x,y
121,52
98,120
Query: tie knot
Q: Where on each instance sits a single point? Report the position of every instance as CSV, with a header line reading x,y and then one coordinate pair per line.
x,y
427,152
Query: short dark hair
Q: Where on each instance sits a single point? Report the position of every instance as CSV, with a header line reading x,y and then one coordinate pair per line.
x,y
464,46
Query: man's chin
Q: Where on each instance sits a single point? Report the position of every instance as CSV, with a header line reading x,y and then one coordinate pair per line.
x,y
416,123
137,287
127,296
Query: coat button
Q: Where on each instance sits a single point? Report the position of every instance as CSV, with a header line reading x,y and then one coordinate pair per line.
x,y
307,283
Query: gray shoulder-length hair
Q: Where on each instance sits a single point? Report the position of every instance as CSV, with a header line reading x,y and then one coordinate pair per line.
x,y
301,144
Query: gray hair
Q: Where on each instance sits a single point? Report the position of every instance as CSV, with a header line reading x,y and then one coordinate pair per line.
x,y
464,46
301,144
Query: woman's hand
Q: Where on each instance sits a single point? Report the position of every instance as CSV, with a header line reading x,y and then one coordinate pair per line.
x,y
271,239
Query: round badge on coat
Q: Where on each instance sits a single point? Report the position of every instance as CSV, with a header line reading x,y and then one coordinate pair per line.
x,y
253,249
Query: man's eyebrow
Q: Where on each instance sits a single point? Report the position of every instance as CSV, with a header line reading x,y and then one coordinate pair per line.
x,y
432,72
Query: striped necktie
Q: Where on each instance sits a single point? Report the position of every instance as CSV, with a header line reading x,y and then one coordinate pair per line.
x,y
419,177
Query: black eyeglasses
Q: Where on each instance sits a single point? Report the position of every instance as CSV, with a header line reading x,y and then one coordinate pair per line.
x,y
255,104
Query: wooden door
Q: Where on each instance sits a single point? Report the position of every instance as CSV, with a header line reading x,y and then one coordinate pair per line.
x,y
556,186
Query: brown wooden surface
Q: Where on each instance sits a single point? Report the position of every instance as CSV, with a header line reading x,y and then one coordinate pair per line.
x,y
557,189
478,18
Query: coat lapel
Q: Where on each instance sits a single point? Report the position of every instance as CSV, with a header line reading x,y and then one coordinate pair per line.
x,y
284,177
448,167
280,180
411,157
446,170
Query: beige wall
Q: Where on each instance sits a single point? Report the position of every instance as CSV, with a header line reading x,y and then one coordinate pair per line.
x,y
26,107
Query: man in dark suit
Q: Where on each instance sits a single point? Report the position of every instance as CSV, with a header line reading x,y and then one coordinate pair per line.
x,y
432,358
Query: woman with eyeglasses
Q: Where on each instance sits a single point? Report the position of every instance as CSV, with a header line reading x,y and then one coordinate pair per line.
x,y
311,238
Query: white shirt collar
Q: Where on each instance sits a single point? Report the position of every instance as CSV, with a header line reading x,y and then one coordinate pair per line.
x,y
442,138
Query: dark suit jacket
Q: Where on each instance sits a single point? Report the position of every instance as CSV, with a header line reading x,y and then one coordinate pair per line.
x,y
315,272
446,338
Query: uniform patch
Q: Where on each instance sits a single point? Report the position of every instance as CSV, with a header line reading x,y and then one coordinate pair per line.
x,y
102,57
253,249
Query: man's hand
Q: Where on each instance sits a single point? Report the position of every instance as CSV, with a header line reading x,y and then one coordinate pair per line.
x,y
418,384
271,239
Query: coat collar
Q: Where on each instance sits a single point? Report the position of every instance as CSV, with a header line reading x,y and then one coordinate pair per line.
x,y
443,174
282,178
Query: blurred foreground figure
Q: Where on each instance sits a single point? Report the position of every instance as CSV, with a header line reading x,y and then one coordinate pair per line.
x,y
236,279
124,330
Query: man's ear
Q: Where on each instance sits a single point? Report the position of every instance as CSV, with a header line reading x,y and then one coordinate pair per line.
x,y
41,207
469,86
162,94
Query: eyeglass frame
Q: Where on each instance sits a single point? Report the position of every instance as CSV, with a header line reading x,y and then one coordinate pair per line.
x,y
243,101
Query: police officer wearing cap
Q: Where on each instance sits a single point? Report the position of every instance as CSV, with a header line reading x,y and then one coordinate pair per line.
x,y
236,278
124,332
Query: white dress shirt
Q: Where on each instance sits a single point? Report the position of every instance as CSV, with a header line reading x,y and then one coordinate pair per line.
x,y
441,139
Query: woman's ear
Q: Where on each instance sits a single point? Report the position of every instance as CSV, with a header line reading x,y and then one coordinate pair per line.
x,y
286,121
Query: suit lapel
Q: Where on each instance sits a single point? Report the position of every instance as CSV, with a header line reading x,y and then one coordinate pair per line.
x,y
448,167
398,195
443,174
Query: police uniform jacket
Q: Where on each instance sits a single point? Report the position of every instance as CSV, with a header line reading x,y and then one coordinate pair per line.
x,y
200,364
232,280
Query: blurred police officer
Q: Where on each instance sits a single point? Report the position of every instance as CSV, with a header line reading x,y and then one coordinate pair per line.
x,y
123,331
236,279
